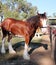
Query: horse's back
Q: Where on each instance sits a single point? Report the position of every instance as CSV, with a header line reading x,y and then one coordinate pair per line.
x,y
13,23
7,22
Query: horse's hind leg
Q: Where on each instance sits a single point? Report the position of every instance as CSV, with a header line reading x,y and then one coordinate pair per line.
x,y
3,43
11,50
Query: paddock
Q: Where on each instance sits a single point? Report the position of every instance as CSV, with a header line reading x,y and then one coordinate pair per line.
x,y
41,50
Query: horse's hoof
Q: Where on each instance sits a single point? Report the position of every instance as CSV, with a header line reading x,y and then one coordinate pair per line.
x,y
12,52
26,57
3,51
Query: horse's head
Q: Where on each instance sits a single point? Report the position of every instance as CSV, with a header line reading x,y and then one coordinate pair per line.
x,y
42,20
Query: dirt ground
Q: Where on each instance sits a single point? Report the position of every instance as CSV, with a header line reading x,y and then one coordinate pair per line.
x,y
40,54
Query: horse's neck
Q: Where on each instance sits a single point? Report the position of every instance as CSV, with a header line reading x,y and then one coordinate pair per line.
x,y
33,21
33,27
33,24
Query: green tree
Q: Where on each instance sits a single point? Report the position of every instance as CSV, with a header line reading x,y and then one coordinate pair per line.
x,y
18,9
0,6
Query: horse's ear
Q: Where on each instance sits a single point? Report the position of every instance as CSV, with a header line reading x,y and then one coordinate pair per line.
x,y
37,13
45,13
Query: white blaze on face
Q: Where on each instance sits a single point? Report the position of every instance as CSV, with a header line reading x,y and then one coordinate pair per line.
x,y
44,22
44,29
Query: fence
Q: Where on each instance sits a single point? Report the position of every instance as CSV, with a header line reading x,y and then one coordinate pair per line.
x,y
53,41
52,33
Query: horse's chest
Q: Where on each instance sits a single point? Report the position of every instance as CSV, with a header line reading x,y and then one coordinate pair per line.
x,y
32,32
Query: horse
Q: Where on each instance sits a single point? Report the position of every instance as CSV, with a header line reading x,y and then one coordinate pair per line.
x,y
21,28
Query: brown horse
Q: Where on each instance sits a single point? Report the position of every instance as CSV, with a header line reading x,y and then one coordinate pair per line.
x,y
21,28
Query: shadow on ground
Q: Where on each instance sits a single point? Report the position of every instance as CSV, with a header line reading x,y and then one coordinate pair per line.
x,y
33,46
18,60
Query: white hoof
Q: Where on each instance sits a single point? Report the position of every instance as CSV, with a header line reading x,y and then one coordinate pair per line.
x,y
12,52
3,51
26,57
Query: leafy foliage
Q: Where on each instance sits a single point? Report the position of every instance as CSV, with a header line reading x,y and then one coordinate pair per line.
x,y
18,9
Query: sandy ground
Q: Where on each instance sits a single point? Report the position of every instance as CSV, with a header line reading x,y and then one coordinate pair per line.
x,y
41,55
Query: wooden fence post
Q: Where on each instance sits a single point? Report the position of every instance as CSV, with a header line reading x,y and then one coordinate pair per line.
x,y
53,42
55,50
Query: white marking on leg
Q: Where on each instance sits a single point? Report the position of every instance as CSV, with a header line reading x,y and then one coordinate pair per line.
x,y
3,48
11,50
26,55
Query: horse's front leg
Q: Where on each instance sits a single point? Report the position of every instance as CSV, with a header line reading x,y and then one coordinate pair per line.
x,y
26,56
11,50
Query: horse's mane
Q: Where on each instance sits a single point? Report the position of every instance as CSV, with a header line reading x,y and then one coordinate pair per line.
x,y
32,19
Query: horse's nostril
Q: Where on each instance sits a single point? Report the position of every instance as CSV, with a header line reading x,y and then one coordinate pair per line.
x,y
36,35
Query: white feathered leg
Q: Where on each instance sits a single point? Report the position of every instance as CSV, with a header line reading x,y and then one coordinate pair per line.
x,y
26,56
3,47
11,50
